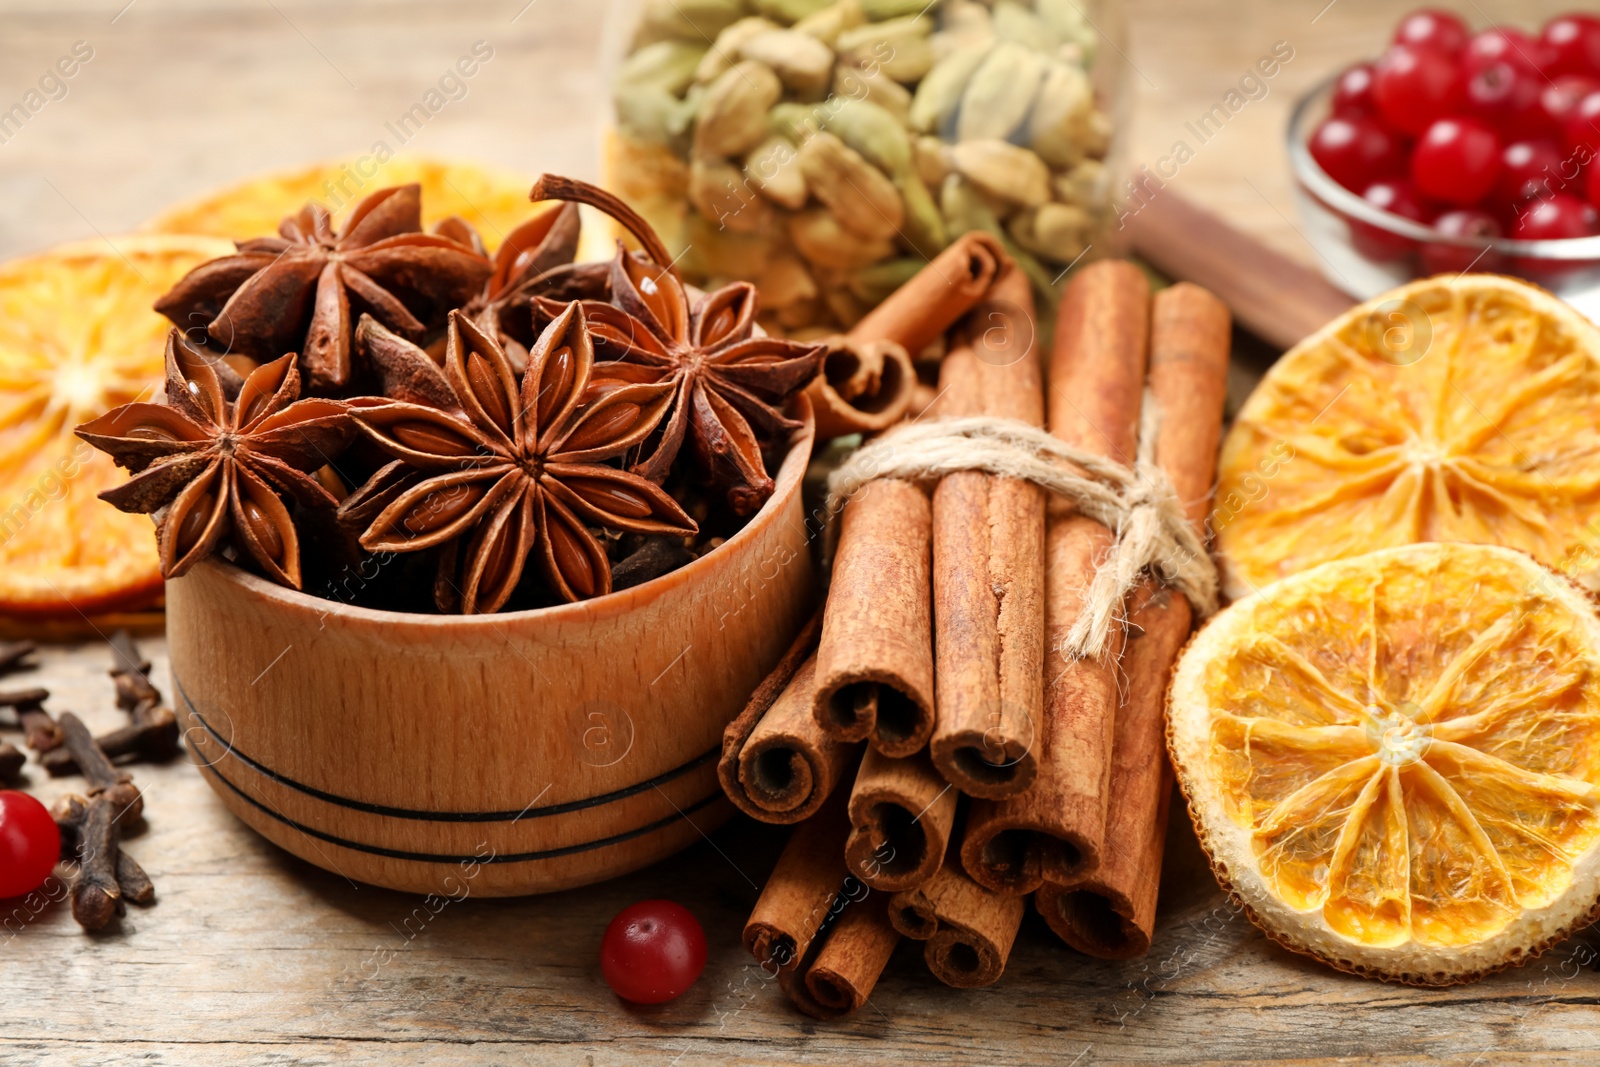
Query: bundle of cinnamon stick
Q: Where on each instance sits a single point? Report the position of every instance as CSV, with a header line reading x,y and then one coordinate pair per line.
x,y
942,757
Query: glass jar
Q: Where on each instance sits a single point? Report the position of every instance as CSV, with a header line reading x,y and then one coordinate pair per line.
x,y
826,149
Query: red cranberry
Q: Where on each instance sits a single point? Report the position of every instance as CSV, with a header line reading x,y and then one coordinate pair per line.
x,y
1527,169
1583,128
1501,44
1414,86
1457,161
1431,28
1352,93
1559,218
1559,99
1572,43
1456,259
1504,95
1397,197
1356,151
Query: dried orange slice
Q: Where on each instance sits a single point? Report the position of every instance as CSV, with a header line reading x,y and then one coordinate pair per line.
x,y
1393,761
1451,409
77,338
493,200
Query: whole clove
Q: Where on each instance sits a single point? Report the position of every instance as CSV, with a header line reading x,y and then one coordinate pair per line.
x,y
11,761
71,812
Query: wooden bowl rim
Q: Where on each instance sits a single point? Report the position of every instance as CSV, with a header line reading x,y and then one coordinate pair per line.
x,y
790,474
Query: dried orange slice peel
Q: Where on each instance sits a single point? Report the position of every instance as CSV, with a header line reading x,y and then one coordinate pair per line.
x,y
77,338
1393,761
493,200
1450,409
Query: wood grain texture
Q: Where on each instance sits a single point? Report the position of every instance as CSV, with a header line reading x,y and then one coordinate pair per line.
x,y
254,957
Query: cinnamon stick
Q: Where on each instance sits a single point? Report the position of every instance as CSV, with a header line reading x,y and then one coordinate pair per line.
x,y
968,929
864,387
1110,910
988,563
851,959
824,934
802,891
875,658
937,296
1056,829
777,765
901,814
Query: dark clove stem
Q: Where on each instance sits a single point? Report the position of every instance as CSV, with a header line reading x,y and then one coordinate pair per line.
x,y
13,654
11,762
96,896
40,731
70,813
97,769
152,738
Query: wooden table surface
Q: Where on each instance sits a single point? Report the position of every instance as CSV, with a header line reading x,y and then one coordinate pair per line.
x,y
252,956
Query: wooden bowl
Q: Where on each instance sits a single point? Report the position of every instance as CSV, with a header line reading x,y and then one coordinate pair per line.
x,y
495,754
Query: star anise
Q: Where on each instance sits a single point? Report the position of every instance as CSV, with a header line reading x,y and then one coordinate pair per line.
x,y
535,259
729,384
519,470
219,467
295,292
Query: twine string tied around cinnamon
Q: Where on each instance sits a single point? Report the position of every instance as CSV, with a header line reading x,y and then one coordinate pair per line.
x,y
1136,502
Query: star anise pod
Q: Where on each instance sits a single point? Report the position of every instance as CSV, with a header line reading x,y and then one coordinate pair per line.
x,y
535,259
296,291
519,470
729,384
219,467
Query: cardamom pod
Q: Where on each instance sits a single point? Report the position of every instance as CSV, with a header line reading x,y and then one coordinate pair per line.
x,y
873,284
873,132
652,114
801,62
668,65
824,241
715,252
939,93
1004,170
1098,140
900,48
1070,24
718,191
683,20
855,191
783,281
1013,22
774,168
1085,185
964,210
724,53
845,308
883,10
931,163
1058,129
733,115
827,24
788,12
962,24
1000,92
874,87
1057,232
924,229
796,122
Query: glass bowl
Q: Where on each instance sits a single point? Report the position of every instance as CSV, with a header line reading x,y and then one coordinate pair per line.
x,y
1366,251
